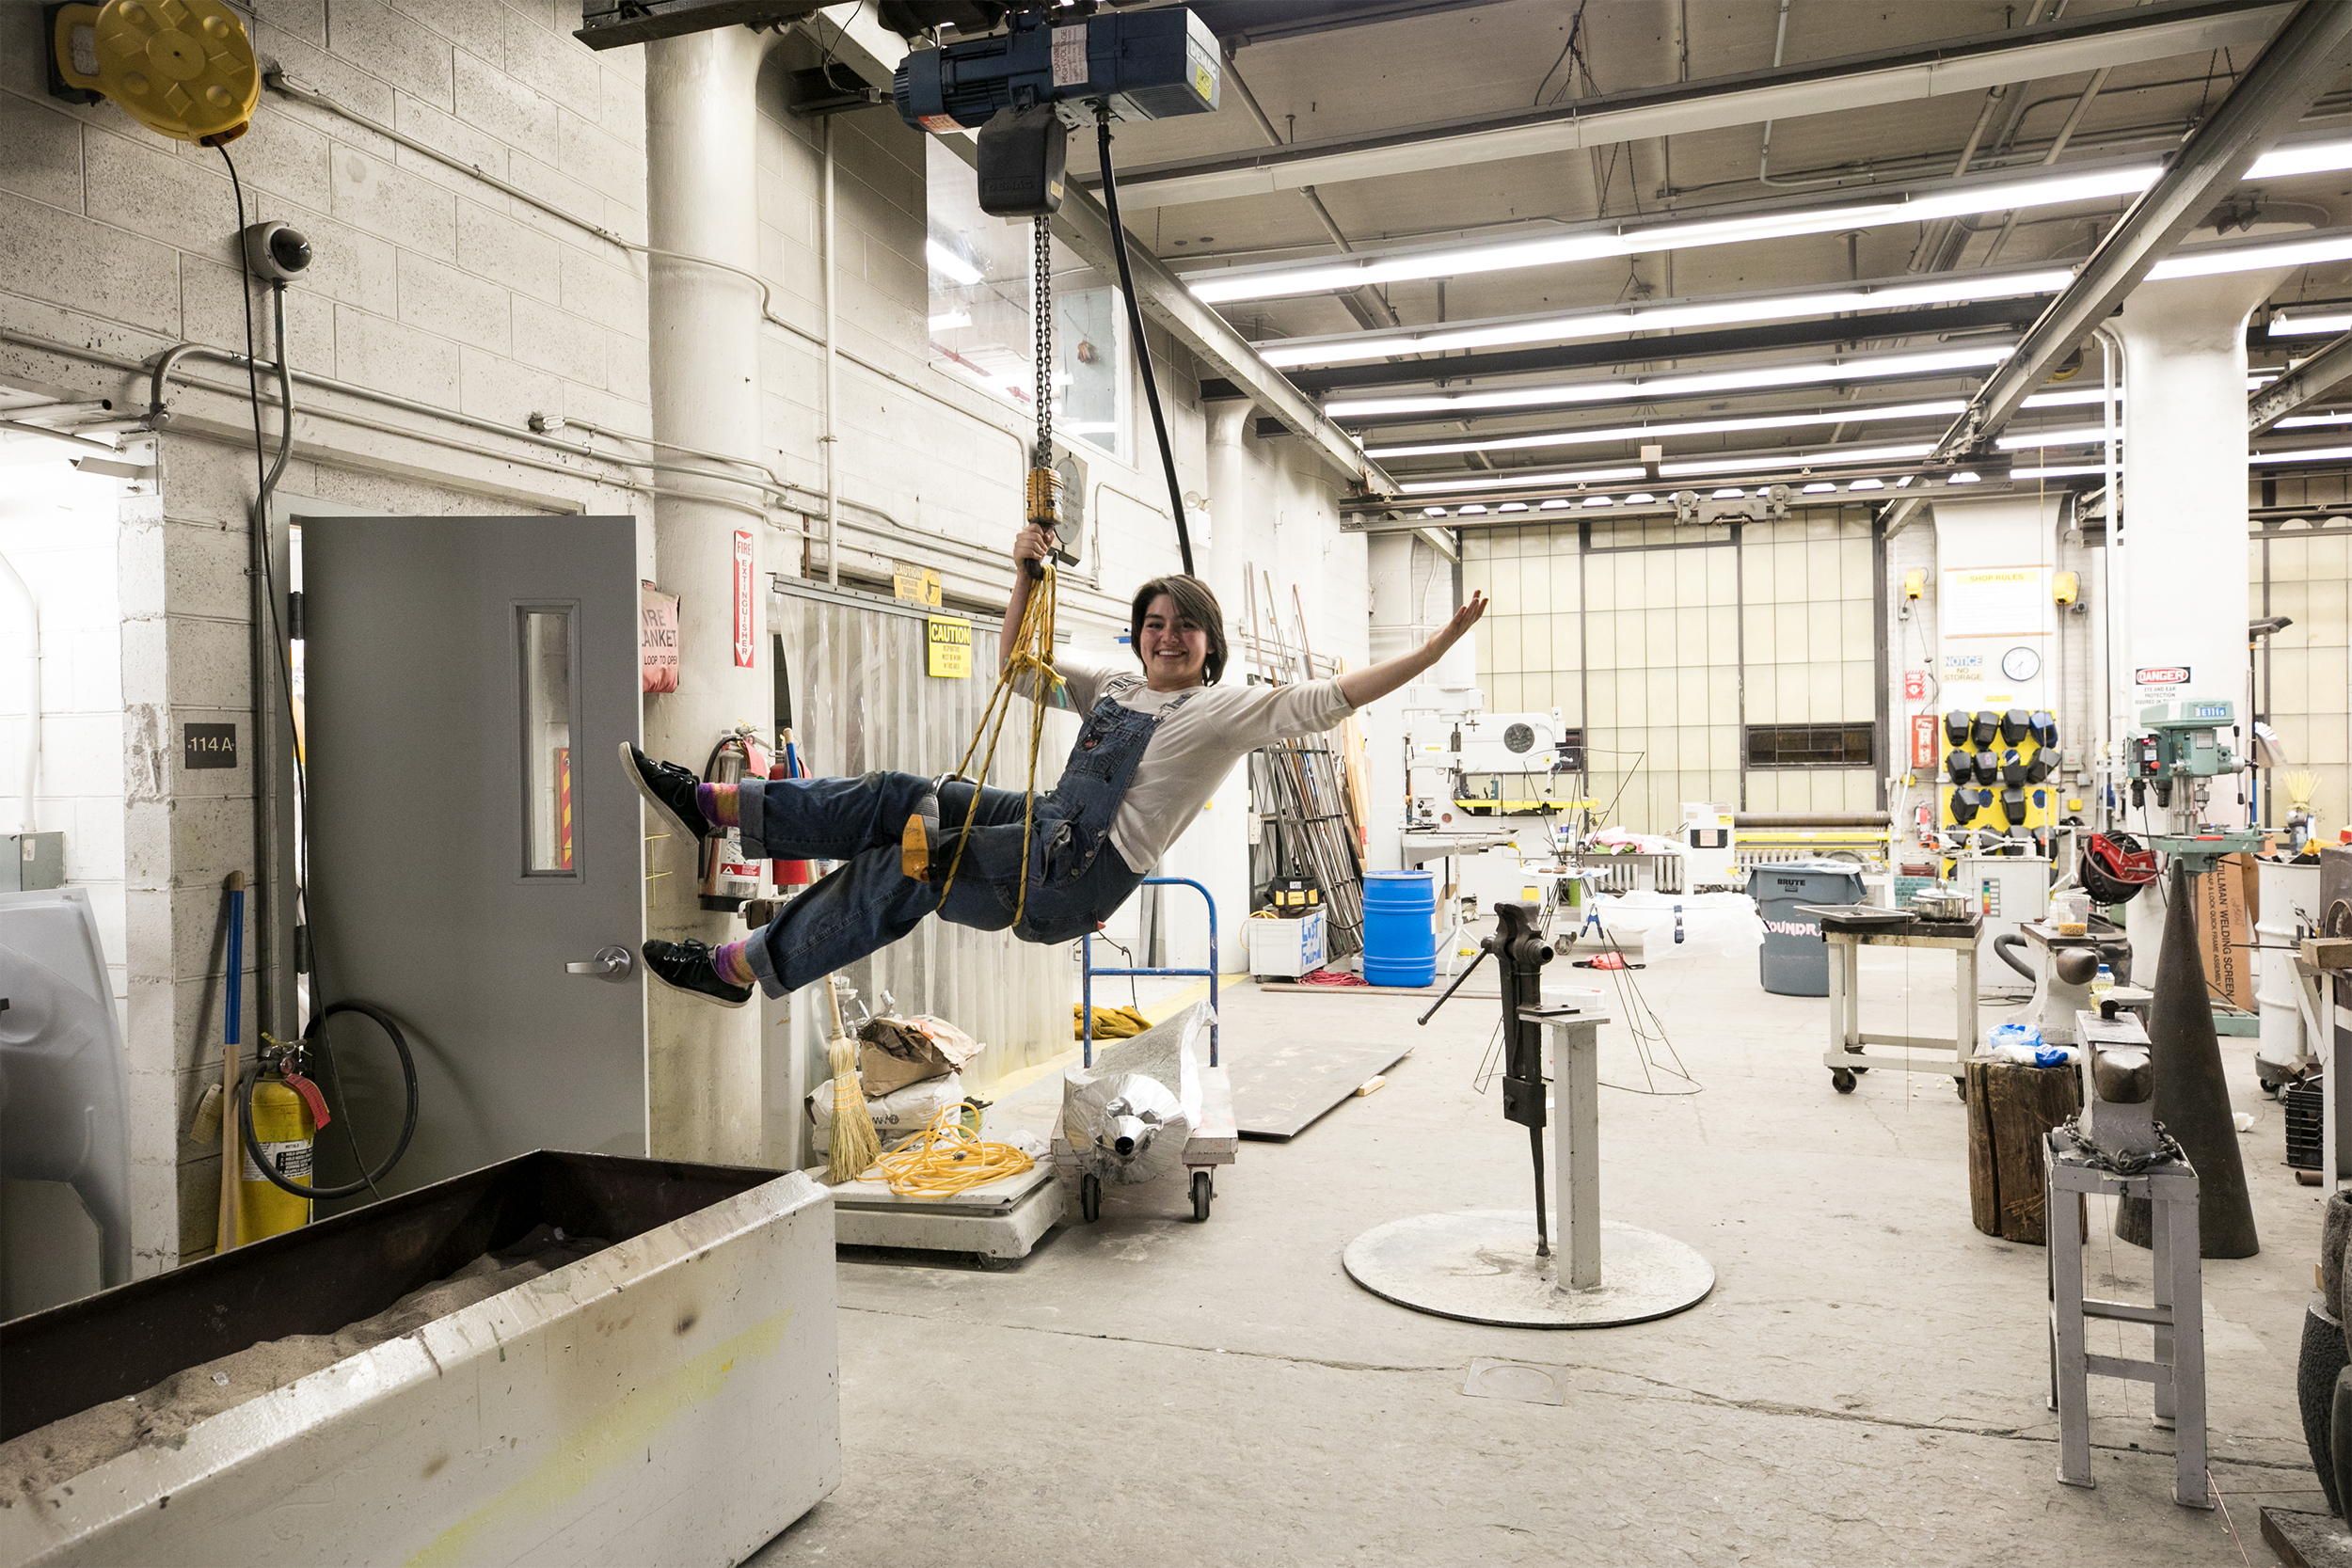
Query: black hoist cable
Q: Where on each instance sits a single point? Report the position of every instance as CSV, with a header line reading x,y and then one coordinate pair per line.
x,y
1135,330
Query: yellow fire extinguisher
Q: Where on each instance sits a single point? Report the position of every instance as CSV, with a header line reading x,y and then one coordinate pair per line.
x,y
287,1133
727,878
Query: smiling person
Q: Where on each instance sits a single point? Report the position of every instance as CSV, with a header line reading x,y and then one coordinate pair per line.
x,y
1155,744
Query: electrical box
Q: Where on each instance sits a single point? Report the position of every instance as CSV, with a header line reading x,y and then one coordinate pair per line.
x,y
33,861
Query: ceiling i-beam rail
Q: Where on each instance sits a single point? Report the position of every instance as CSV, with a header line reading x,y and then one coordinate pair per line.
x,y
2305,57
2311,379
1964,65
855,37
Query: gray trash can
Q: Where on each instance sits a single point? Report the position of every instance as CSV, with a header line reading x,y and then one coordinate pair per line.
x,y
1794,960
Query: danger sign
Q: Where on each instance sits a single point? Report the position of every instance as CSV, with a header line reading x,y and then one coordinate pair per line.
x,y
2162,674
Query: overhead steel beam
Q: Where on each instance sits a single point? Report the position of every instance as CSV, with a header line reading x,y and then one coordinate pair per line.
x,y
2311,379
1904,75
857,38
2302,61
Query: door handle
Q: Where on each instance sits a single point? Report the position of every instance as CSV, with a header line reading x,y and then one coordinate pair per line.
x,y
610,963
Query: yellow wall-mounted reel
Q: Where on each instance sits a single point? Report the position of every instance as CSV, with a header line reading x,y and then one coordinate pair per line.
x,y
183,68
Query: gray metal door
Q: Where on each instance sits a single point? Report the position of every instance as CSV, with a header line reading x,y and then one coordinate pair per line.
x,y
468,684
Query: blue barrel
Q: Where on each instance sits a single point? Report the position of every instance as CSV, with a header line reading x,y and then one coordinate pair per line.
x,y
1400,927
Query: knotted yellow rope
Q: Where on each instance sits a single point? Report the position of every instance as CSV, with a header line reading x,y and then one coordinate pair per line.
x,y
1032,653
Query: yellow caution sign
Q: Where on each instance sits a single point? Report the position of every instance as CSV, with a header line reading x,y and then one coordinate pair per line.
x,y
949,640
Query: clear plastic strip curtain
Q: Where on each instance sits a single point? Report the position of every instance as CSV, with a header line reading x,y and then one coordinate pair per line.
x,y
864,700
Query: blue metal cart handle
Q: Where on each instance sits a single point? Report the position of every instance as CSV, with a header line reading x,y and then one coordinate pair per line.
x,y
1087,972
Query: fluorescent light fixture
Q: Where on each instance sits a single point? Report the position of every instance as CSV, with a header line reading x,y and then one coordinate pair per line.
x,y
1867,485
1349,348
1512,481
2069,472
1433,511
2075,436
1820,486
1555,504
1834,456
1965,478
2304,422
1726,494
1474,512
948,264
1640,498
1630,388
2312,326
2306,454
2295,251
1512,506
1598,500
1938,408
1281,279
2311,158
951,319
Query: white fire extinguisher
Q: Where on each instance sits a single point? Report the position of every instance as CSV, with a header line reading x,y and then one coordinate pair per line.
x,y
727,877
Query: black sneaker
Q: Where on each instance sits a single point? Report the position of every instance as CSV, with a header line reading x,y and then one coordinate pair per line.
x,y
687,966
670,790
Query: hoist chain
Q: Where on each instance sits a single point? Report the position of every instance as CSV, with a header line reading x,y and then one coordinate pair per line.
x,y
1043,456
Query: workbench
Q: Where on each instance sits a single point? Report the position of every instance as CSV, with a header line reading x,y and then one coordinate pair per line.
x,y
1847,1051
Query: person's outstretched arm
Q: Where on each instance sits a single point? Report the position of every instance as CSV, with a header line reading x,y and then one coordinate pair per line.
x,y
1374,682
1028,545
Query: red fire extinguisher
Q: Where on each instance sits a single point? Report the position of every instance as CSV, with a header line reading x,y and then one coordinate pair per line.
x,y
727,877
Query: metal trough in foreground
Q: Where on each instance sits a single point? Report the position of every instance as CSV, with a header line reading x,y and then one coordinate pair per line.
x,y
672,1399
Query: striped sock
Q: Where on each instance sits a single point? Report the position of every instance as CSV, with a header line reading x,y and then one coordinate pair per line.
x,y
720,804
728,958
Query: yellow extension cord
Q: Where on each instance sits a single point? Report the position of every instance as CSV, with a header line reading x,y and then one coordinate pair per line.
x,y
1033,650
949,1158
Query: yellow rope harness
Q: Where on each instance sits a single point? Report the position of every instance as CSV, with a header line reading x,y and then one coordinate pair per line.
x,y
949,1158
1032,653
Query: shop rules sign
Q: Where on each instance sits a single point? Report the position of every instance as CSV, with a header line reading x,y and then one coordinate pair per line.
x,y
743,603
658,638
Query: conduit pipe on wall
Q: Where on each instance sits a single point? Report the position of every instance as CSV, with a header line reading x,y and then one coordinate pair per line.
x,y
28,622
831,439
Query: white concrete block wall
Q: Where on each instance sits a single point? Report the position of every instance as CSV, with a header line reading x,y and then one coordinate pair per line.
x,y
428,284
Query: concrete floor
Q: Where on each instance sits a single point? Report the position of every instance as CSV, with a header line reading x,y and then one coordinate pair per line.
x,y
1866,1386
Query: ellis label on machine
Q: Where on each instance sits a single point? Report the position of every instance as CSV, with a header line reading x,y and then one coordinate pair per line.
x,y
745,642
948,639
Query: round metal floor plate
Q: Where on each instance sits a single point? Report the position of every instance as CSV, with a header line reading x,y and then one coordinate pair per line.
x,y
1481,1267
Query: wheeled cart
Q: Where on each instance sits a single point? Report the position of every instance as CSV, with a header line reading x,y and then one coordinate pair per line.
x,y
1214,1142
1846,1053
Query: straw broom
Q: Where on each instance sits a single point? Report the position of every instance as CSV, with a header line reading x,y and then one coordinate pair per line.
x,y
856,1144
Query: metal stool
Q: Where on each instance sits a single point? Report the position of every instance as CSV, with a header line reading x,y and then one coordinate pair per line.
x,y
2118,1095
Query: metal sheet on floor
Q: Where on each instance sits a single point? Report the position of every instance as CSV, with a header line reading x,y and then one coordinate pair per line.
x,y
1282,1087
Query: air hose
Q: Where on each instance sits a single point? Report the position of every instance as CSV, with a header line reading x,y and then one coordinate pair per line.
x,y
315,1038
2002,944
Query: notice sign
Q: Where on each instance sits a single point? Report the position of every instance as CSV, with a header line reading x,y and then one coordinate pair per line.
x,y
1994,601
743,616
949,640
657,639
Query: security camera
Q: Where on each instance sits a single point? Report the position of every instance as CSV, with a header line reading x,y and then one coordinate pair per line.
x,y
276,251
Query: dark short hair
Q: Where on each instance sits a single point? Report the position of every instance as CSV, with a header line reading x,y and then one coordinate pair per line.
x,y
1195,603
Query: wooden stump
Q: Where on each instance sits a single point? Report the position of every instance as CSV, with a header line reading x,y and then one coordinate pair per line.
x,y
2011,1107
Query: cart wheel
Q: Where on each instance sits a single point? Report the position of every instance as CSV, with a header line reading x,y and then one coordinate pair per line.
x,y
1960,1087
1091,1197
988,1263
1204,1189
1841,1080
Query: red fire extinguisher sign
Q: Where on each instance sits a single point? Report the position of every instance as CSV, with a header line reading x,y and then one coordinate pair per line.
x,y
744,643
1923,740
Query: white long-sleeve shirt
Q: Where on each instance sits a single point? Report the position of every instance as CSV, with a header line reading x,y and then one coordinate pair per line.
x,y
1194,748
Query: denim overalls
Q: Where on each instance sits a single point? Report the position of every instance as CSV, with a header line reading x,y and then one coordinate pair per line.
x,y
1075,877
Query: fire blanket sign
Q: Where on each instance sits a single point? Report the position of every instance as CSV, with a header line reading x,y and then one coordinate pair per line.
x,y
949,640
745,642
1914,684
657,639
